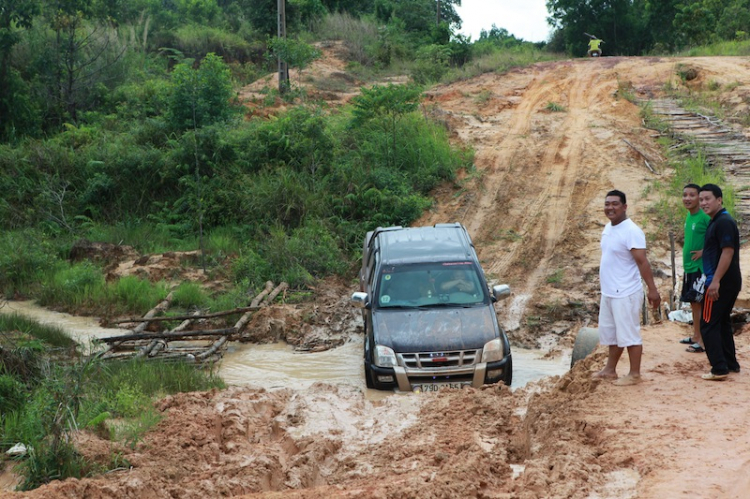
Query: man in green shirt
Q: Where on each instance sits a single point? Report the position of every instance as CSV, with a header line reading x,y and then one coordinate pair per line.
x,y
696,224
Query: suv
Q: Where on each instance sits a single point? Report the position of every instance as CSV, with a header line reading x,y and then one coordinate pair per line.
x,y
429,316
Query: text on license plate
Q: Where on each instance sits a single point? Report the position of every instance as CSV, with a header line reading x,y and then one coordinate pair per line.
x,y
434,387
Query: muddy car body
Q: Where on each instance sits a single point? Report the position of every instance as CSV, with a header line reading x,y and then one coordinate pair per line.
x,y
429,317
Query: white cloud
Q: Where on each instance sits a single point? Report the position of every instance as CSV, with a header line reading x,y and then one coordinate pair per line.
x,y
525,19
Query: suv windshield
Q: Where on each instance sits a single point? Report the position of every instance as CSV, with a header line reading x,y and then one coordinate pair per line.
x,y
430,284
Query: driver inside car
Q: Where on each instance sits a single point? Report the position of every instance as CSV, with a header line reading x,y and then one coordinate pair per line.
x,y
456,281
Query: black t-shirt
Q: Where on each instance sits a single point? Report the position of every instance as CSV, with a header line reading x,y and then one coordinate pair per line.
x,y
722,232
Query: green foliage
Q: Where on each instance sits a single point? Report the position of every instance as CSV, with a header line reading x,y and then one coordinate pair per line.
x,y
487,58
198,40
50,335
44,415
189,295
49,461
21,272
131,294
200,96
296,53
12,393
73,286
431,64
251,269
360,36
555,107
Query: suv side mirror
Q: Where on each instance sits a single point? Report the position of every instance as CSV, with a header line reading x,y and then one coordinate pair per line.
x,y
500,292
360,299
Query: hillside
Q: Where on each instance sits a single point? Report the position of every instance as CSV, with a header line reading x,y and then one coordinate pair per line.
x,y
549,141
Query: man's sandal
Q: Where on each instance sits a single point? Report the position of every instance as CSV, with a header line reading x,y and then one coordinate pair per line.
x,y
695,348
714,377
687,341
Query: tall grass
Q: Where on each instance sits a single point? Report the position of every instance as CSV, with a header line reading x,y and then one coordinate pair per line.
x,y
87,395
189,295
360,36
26,257
51,335
81,287
144,236
500,61
727,48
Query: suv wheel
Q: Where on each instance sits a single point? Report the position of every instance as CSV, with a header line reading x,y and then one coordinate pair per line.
x,y
508,375
368,371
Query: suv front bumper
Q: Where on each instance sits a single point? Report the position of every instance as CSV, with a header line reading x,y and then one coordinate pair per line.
x,y
474,375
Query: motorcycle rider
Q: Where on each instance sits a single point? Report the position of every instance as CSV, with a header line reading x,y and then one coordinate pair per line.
x,y
594,47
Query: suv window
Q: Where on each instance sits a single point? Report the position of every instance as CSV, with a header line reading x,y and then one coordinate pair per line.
x,y
430,284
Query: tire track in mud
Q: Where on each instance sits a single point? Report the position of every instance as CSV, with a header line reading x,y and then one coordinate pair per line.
x,y
529,207
545,188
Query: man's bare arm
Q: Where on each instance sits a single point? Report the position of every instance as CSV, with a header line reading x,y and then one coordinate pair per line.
x,y
639,255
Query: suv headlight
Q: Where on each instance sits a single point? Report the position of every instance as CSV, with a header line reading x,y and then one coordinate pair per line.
x,y
493,351
384,356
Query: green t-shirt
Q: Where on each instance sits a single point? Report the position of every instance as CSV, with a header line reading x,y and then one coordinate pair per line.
x,y
695,233
594,44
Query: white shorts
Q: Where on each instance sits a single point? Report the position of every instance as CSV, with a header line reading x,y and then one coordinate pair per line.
x,y
620,320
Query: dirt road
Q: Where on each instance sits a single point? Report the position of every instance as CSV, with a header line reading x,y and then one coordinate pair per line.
x,y
549,144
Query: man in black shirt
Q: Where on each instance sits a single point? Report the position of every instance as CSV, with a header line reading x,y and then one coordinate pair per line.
x,y
721,264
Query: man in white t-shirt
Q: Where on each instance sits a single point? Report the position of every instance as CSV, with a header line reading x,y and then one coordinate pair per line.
x,y
623,265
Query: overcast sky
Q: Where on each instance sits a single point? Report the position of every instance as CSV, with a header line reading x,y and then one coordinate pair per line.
x,y
525,19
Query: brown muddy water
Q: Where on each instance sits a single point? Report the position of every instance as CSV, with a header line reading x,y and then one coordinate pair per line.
x,y
278,365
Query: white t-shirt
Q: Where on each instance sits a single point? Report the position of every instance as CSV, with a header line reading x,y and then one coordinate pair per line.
x,y
618,272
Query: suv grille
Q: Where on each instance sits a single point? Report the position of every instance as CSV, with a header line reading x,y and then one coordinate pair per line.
x,y
435,360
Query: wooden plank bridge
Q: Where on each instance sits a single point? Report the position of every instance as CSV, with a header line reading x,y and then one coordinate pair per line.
x,y
723,146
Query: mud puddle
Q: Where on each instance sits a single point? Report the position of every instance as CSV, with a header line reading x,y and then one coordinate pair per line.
x,y
273,366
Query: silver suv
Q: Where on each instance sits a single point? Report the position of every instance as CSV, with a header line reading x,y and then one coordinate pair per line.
x,y
428,312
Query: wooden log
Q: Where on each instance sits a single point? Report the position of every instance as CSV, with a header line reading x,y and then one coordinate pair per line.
x,y
166,335
159,344
272,296
256,301
161,307
214,348
185,317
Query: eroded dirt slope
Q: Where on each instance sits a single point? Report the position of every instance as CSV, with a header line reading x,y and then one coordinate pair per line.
x,y
533,207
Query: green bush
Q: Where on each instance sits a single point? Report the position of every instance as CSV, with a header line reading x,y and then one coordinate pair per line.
x,y
131,294
189,295
73,286
49,334
431,64
251,269
26,257
315,248
12,393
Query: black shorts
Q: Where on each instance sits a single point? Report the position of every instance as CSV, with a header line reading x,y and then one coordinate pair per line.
x,y
688,293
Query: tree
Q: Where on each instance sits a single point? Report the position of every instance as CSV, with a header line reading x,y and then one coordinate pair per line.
x,y
384,106
84,48
202,96
15,15
695,23
659,15
614,21
295,53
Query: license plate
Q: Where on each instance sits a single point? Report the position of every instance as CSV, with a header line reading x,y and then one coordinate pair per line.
x,y
436,387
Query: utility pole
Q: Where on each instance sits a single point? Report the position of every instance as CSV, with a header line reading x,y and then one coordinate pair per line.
x,y
438,13
283,67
